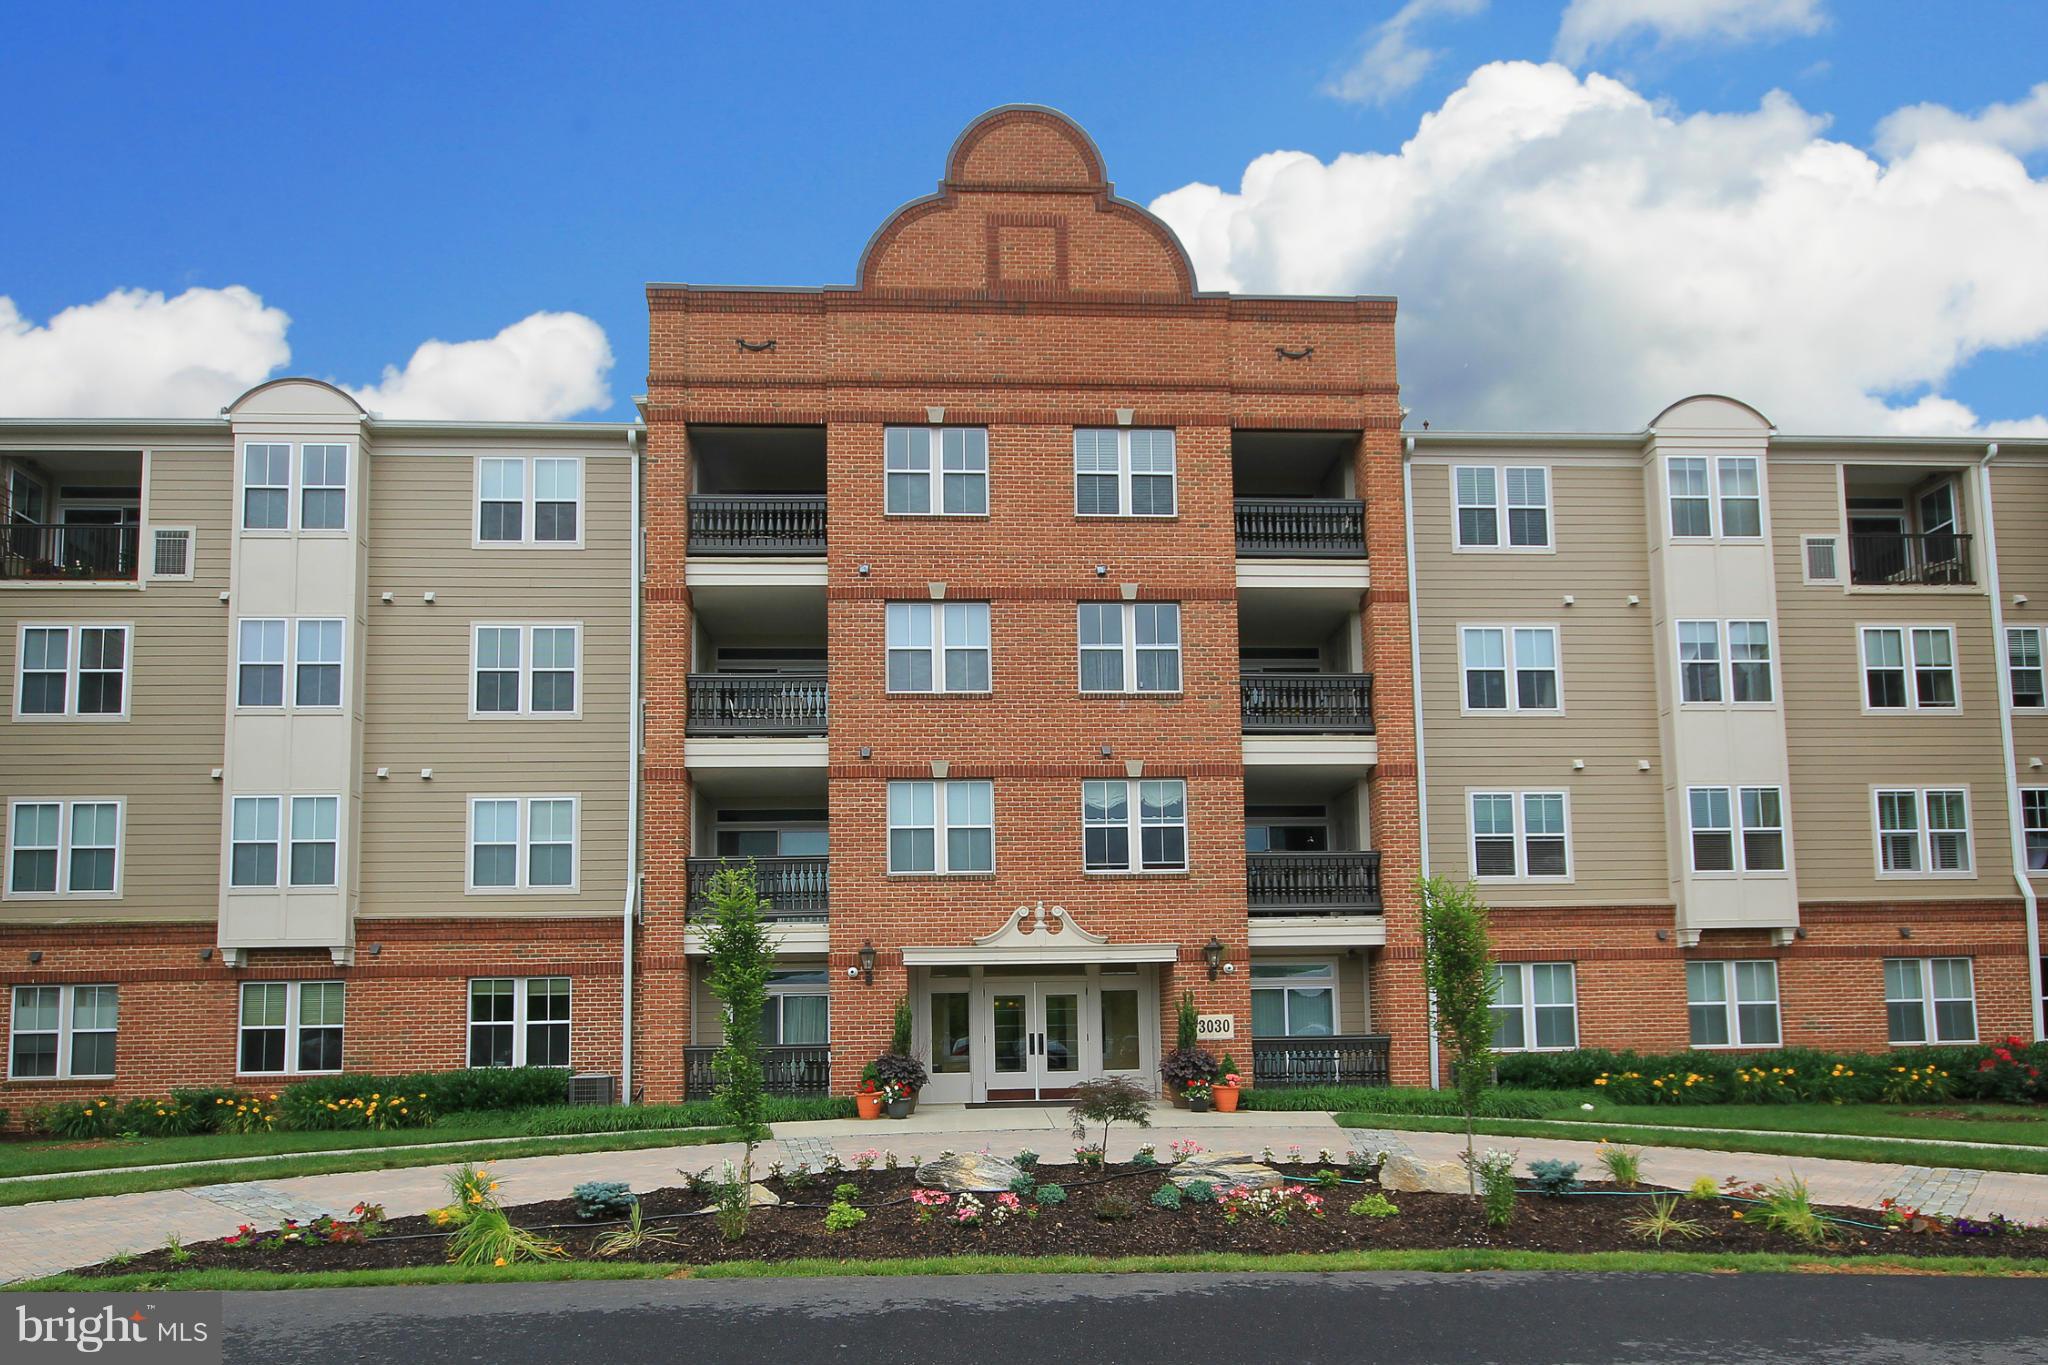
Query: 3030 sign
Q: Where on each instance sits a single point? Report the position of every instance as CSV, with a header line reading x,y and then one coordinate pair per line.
x,y
1215,1027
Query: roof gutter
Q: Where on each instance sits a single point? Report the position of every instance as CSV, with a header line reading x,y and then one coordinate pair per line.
x,y
1415,691
2015,825
629,913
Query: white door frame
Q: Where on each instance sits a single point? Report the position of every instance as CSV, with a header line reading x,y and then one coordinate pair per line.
x,y
973,1085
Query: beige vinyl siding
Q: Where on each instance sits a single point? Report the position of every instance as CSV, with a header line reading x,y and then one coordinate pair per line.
x,y
161,759
1837,752
416,692
1607,680
2019,499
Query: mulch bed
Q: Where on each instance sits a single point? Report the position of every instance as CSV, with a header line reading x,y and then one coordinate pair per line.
x,y
796,1230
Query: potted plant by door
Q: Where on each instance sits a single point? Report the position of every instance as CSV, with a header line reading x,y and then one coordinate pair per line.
x,y
1189,1060
1198,1093
896,1096
868,1098
1225,1091
903,1070
905,1066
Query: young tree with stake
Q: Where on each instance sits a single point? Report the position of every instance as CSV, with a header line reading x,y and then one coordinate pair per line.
x,y
1457,967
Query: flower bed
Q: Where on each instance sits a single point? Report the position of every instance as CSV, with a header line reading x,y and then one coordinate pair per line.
x,y
2009,1071
1116,1210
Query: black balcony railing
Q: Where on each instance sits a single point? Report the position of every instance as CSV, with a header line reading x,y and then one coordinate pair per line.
x,y
1936,559
1338,1059
1301,528
1312,883
757,524
795,888
1306,703
799,1070
757,704
35,550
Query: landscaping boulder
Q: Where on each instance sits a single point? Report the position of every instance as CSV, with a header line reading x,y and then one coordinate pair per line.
x,y
1225,1169
969,1173
1404,1173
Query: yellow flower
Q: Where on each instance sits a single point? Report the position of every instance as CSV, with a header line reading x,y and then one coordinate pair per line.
x,y
1737,1215
501,1260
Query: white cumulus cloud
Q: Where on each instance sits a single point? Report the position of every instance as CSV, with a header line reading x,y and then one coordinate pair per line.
x,y
2020,127
1392,64
1589,26
541,368
1569,254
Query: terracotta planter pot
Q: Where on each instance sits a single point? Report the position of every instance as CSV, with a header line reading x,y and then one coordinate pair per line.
x,y
870,1106
899,1109
1226,1099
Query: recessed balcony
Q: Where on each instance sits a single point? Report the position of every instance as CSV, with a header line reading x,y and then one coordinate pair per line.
x,y
1296,495
1300,528
1322,883
744,704
798,890
757,491
1306,703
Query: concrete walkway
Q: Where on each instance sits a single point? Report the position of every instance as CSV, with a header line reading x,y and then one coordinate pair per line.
x,y
40,1239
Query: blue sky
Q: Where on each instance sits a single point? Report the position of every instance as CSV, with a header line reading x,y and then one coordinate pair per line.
x,y
390,174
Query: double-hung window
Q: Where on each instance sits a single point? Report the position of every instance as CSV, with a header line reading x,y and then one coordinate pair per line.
x,y
1699,661
1711,816
266,487
938,646
1742,500
60,1032
1493,655
543,509
64,848
1763,828
1480,490
1692,507
1724,494
72,672
1294,999
522,843
316,658
260,662
942,827
958,487
1749,661
323,487
315,839
1520,836
1712,826
1130,646
1923,831
2023,670
313,665
1912,984
1708,677
1732,1004
1124,472
254,824
525,670
270,475
290,1027
519,1021
1535,1007
1148,818
1909,668
2034,824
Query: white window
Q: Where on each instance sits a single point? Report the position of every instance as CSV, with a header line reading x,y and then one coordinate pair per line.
x,y
290,1027
1148,819
1909,668
171,552
1732,1004
315,840
1923,831
544,510
260,663
1699,661
64,847
1692,513
943,827
1492,653
797,1012
1520,836
316,656
1734,485
59,1032
75,672
1129,646
1910,983
522,843
1712,827
1741,492
938,646
1124,472
957,488
253,840
1749,662
266,487
2034,822
1763,828
1479,490
519,1021
1535,1007
2023,667
323,487
1294,999
525,670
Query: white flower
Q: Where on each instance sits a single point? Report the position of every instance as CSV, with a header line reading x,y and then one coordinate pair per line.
x,y
1587,1107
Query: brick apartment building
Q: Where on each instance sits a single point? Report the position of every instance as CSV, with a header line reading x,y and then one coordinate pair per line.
x,y
1055,638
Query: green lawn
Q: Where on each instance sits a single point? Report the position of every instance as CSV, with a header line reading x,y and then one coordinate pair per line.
x,y
2016,1125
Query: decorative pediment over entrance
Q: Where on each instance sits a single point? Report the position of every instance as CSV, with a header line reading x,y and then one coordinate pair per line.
x,y
1040,933
1040,927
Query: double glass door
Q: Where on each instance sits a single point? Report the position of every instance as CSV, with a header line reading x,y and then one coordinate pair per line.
x,y
1035,1036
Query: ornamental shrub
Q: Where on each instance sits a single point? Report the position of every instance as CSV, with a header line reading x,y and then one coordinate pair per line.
x,y
1973,1072
1555,1177
1200,1192
1049,1195
304,1105
1167,1197
607,1199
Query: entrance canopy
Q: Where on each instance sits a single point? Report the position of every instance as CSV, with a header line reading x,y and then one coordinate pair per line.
x,y
1039,934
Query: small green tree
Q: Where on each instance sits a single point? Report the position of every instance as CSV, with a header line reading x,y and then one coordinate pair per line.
x,y
741,957
1457,967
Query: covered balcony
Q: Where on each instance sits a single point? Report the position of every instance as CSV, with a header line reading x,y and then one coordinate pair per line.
x,y
1295,495
1906,527
758,657
775,824
1298,657
1304,853
758,491
71,516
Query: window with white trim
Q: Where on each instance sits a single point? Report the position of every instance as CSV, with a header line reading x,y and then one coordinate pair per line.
x,y
1535,1007
1923,831
1294,999
1723,496
937,646
2034,823
266,486
315,839
1912,984
1749,662
63,1032
525,670
519,1021
1479,490
1741,496
1711,824
512,509
323,487
1692,512
64,847
260,662
1491,654
1124,472
1129,646
253,840
1148,818
1732,1004
1711,815
797,1011
72,672
1520,836
290,1028
522,843
2023,670
171,550
959,485
1699,661
1762,810
942,827
1909,668
316,664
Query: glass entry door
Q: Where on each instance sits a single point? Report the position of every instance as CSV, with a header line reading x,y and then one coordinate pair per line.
x,y
1035,1031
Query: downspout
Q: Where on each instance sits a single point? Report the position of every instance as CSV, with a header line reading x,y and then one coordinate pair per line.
x,y
630,912
2015,827
1415,696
